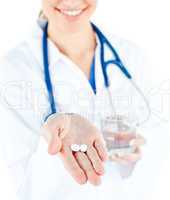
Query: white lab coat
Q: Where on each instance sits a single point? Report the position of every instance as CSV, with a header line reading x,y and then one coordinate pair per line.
x,y
36,174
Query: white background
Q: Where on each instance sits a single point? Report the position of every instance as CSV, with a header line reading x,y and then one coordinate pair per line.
x,y
144,22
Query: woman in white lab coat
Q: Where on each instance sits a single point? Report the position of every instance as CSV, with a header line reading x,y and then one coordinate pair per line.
x,y
75,143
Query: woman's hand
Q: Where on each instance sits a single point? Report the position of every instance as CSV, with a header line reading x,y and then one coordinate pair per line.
x,y
63,130
130,158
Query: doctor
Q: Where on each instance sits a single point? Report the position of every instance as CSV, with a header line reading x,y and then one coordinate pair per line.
x,y
55,84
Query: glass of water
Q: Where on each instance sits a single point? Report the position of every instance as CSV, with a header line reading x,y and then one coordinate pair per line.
x,y
118,131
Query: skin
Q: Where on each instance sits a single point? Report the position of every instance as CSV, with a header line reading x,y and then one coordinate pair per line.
x,y
67,32
62,131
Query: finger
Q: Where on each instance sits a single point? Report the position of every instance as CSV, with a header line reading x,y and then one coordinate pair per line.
x,y
111,138
115,158
125,136
86,165
55,144
73,167
95,160
132,157
138,141
101,149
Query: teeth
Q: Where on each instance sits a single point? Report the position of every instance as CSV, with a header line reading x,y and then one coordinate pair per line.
x,y
71,13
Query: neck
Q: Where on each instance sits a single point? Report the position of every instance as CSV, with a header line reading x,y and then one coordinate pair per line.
x,y
73,43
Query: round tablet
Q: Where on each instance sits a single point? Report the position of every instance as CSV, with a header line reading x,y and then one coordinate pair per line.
x,y
83,148
75,147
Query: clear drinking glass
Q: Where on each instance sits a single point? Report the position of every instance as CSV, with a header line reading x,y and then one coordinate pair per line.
x,y
118,131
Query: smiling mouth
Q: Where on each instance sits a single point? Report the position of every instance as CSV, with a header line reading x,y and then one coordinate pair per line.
x,y
71,13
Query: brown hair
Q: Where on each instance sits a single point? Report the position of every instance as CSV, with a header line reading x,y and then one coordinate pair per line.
x,y
42,15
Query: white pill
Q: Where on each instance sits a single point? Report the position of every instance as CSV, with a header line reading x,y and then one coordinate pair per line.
x,y
83,148
75,147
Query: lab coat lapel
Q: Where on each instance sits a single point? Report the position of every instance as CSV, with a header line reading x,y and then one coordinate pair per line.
x,y
119,87
126,99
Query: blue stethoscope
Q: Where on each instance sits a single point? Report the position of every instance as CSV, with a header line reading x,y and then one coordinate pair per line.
x,y
116,61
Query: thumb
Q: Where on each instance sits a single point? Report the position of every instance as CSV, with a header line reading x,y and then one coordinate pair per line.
x,y
55,144
58,134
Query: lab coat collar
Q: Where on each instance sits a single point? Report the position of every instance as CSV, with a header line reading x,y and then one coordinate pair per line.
x,y
54,53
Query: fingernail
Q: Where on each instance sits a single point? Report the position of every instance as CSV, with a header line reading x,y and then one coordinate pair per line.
x,y
132,142
120,154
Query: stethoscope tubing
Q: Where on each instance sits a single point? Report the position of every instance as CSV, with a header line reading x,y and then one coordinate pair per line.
x,y
116,61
